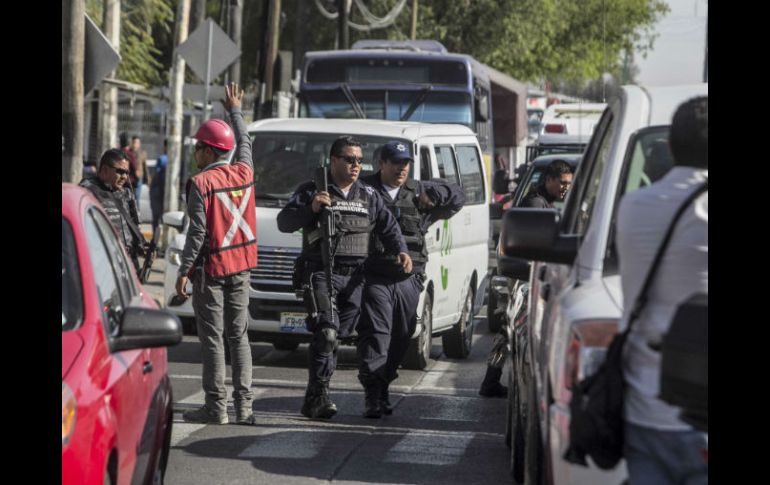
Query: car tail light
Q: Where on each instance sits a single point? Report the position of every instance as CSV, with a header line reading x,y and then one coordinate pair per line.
x,y
555,128
587,348
69,411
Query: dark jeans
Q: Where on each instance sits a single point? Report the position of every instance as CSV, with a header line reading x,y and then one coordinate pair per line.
x,y
388,320
655,457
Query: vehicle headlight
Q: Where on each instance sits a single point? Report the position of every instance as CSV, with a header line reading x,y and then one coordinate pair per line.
x,y
175,256
69,411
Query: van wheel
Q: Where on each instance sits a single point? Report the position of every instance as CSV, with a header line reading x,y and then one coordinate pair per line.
x,y
286,345
418,354
458,340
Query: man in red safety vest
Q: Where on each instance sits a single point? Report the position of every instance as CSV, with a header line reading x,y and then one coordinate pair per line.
x,y
219,252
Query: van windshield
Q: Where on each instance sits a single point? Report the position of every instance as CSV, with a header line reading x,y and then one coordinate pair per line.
x,y
283,161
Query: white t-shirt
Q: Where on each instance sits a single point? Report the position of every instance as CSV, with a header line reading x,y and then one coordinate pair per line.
x,y
392,191
643,219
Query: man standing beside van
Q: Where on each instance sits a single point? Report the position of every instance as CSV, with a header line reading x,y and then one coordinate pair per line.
x,y
659,447
357,210
220,250
389,304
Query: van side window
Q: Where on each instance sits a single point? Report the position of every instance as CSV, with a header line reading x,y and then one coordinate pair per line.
x,y
445,158
470,173
425,168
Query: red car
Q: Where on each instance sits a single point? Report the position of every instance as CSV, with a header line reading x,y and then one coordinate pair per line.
x,y
115,393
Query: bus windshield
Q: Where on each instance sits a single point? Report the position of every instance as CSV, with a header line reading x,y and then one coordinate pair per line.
x,y
435,106
284,160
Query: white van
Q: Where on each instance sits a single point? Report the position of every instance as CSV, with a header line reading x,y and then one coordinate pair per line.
x,y
285,153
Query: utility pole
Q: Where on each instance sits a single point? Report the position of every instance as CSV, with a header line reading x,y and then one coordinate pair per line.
x,y
342,24
73,33
176,117
413,36
235,34
108,94
271,52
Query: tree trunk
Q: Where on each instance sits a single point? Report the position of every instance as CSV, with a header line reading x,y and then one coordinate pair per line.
x,y
73,24
235,32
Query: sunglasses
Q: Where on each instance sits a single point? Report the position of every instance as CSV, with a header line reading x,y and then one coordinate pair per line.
x,y
351,159
119,171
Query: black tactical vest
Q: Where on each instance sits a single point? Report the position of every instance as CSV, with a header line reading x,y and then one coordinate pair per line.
x,y
406,213
352,226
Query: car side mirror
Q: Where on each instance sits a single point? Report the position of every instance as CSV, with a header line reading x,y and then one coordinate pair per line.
x,y
174,219
500,182
534,235
147,327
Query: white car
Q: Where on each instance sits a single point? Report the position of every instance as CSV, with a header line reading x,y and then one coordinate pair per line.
x,y
575,297
565,128
285,154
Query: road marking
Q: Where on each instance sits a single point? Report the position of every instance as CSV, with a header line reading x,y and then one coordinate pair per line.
x,y
287,443
419,448
433,375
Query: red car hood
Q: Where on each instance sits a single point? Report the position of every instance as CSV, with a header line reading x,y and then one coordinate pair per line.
x,y
71,344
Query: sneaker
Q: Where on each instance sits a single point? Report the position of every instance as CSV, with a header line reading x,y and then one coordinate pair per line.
x,y
204,415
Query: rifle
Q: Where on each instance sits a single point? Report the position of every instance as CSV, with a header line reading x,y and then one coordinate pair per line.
x,y
149,257
326,225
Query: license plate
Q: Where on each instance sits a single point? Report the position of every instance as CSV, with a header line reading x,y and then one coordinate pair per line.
x,y
293,322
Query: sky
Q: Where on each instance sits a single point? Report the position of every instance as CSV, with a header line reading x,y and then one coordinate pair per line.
x,y
679,50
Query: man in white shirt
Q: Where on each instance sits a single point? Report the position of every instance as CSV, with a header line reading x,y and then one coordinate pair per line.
x,y
659,448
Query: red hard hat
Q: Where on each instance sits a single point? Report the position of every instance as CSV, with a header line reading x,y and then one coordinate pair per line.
x,y
217,134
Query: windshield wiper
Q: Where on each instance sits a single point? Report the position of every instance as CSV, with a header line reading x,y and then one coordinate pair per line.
x,y
417,102
352,100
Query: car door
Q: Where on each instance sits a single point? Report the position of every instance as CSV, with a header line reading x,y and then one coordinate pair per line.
x,y
127,389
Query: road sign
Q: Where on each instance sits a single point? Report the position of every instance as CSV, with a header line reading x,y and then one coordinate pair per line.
x,y
100,57
196,48
208,51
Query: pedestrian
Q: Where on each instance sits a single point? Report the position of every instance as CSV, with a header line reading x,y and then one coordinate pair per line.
x,y
358,210
659,447
109,187
158,187
557,179
390,297
140,166
219,252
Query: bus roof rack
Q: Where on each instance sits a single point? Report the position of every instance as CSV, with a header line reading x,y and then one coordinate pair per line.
x,y
413,45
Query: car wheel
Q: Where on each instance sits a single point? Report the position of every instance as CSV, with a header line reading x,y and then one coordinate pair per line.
x,y
286,345
418,354
533,449
458,340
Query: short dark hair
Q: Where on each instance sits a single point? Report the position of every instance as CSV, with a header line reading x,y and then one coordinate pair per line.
x,y
112,156
342,142
135,137
123,139
556,168
689,136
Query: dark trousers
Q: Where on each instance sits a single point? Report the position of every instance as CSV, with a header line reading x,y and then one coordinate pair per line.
x,y
322,360
156,204
388,320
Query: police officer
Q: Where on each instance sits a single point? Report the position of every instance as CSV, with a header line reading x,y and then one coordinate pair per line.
x,y
220,250
358,210
389,304
109,186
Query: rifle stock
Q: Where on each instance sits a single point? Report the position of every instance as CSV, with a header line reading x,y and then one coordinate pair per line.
x,y
326,224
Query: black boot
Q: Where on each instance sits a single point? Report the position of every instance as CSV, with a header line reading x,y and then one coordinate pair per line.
x,y
491,386
371,400
317,402
385,405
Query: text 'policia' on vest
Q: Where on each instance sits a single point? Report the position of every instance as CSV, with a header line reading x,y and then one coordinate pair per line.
x,y
406,213
352,225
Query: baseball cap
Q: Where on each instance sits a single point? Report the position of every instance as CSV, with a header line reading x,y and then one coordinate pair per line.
x,y
396,151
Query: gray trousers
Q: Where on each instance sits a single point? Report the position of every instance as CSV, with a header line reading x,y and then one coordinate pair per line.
x,y
221,306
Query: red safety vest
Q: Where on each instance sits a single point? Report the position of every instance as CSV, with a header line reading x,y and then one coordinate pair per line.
x,y
231,218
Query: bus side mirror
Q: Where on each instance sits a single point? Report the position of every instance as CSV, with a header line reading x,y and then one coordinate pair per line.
x,y
482,107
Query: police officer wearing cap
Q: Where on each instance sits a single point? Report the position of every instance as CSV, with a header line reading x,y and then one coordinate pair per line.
x,y
358,211
389,304
219,252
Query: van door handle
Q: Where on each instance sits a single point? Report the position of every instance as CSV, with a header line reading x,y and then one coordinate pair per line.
x,y
541,272
147,368
545,291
